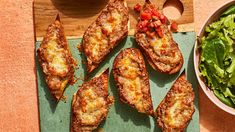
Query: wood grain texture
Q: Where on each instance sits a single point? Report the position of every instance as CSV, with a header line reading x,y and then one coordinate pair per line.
x,y
77,15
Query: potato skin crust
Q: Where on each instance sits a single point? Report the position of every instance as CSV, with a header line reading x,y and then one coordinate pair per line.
x,y
90,105
165,60
176,110
99,40
132,80
56,60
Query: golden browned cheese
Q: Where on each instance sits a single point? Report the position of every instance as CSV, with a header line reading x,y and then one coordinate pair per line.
x,y
162,53
176,110
105,33
90,105
56,60
132,80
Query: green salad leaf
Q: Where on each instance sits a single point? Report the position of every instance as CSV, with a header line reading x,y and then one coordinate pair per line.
x,y
229,11
217,59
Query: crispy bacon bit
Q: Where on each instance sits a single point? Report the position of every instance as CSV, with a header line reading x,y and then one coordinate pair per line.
x,y
174,26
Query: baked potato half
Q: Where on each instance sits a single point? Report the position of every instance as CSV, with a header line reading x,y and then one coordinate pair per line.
x,y
176,109
156,41
56,60
105,33
90,105
132,80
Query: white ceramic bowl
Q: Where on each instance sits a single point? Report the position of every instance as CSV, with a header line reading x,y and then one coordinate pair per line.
x,y
207,91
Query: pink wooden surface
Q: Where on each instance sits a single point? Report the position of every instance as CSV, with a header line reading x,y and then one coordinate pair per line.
x,y
18,96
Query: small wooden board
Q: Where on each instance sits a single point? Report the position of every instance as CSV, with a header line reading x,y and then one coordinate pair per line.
x,y
77,15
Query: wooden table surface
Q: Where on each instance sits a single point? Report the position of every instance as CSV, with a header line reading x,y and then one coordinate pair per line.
x,y
18,96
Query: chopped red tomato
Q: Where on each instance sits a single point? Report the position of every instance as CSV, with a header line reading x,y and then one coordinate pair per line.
x,y
159,32
174,26
163,19
145,16
142,24
155,13
145,29
137,7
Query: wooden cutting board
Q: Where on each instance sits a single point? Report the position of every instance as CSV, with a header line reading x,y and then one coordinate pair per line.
x,y
77,15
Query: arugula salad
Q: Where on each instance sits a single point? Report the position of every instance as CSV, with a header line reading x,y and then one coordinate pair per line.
x,y
217,59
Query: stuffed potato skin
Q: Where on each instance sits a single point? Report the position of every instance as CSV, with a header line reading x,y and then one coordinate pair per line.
x,y
132,80
105,33
176,109
156,41
90,105
56,60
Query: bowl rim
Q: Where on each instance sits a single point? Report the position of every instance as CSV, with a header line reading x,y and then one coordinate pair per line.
x,y
212,17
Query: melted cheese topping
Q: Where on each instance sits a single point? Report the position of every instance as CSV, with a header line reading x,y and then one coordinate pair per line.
x,y
92,106
172,119
55,55
131,82
98,43
103,35
180,107
160,43
132,89
113,22
162,47
129,69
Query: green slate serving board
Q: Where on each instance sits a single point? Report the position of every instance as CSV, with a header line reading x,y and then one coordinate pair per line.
x,y
55,117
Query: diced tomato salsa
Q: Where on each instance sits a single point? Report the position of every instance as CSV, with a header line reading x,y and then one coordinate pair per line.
x,y
174,26
151,21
